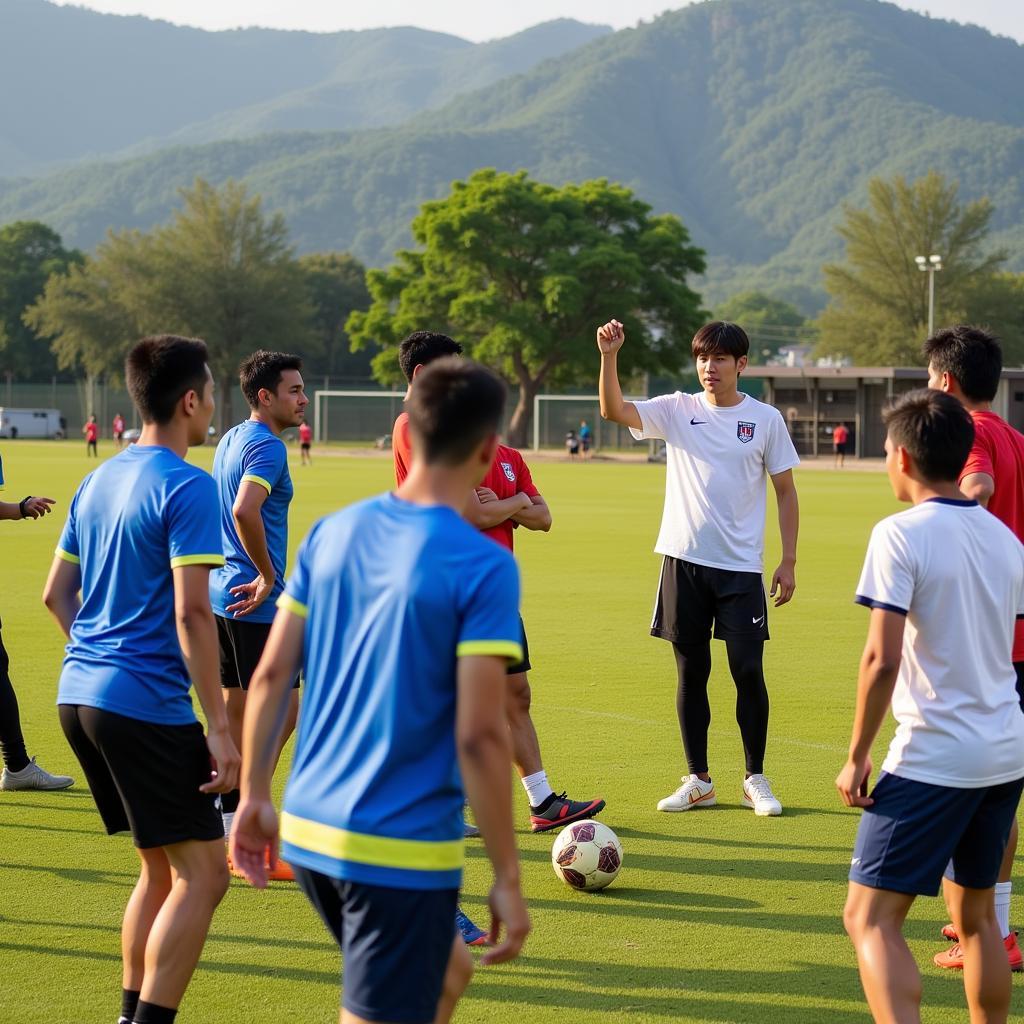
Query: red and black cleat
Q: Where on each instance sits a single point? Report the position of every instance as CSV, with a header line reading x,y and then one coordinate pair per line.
x,y
560,811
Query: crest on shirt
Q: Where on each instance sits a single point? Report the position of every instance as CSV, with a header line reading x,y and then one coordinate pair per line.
x,y
745,431
509,471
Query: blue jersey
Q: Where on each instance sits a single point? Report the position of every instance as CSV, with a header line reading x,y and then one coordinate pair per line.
x,y
392,594
251,452
132,521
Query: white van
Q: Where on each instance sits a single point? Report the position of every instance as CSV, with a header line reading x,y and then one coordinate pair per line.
x,y
30,423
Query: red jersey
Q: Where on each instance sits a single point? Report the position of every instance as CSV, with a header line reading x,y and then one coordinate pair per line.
x,y
840,435
998,452
118,425
305,433
92,431
507,476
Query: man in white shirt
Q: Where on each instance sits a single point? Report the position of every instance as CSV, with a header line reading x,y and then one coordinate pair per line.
x,y
721,446
945,582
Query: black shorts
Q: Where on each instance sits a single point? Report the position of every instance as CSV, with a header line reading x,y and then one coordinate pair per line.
x,y
840,448
1019,667
305,446
524,665
145,777
241,647
692,598
395,944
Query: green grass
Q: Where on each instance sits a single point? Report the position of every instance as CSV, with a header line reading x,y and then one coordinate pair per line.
x,y
717,916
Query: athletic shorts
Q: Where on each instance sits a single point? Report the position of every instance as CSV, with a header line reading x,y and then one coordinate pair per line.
x,y
1019,667
693,599
144,777
395,944
524,665
914,833
840,447
241,647
305,446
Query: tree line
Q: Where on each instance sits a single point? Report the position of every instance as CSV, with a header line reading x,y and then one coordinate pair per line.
x,y
518,270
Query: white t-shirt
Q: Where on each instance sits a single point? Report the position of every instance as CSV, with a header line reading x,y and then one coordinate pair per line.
x,y
957,573
715,487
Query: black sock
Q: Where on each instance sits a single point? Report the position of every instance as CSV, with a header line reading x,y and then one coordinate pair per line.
x,y
129,1001
544,804
150,1013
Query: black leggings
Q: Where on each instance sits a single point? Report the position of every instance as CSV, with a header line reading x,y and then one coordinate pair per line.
x,y
12,742
693,662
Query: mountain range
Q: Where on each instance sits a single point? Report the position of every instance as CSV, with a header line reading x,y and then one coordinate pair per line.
x,y
753,120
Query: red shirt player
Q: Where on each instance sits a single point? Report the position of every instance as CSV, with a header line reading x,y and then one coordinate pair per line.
x,y
92,432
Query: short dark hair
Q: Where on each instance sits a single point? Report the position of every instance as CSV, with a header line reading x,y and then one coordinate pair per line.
x,y
160,370
455,405
422,348
935,429
263,369
972,355
720,338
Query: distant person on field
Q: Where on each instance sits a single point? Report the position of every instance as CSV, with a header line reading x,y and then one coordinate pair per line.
x,y
944,581
92,433
586,436
840,438
572,445
403,618
118,426
20,771
305,443
721,446
129,587
967,362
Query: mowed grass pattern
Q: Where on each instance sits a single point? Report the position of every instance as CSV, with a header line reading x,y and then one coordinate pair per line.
x,y
717,916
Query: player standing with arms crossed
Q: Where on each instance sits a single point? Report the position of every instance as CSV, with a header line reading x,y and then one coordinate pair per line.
x,y
944,581
138,546
255,490
721,445
404,659
967,362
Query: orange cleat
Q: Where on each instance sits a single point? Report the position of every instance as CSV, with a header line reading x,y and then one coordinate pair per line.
x,y
282,873
953,958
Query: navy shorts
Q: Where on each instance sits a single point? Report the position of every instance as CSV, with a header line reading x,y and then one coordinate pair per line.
x,y
395,944
521,666
915,833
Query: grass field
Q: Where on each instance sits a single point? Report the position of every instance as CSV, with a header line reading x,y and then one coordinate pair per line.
x,y
717,916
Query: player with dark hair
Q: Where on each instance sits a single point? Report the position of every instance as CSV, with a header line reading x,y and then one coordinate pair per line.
x,y
372,810
138,546
967,362
944,581
721,446
255,489
91,431
20,771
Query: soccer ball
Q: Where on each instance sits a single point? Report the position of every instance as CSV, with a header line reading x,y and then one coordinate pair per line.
x,y
587,855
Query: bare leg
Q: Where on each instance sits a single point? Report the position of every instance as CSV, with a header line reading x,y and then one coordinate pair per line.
x,y
148,896
874,921
1006,870
987,982
199,880
525,744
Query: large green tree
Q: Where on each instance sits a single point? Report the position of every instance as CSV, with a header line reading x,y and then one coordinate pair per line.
x,y
29,253
878,313
336,285
770,323
522,273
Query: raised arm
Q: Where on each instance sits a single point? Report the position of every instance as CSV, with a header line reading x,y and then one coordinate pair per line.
x,y
609,340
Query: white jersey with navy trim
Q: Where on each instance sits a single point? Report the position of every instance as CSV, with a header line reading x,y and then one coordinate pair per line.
x,y
957,573
716,480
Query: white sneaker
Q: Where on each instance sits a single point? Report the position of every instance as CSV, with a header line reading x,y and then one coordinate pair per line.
x,y
693,793
757,793
34,777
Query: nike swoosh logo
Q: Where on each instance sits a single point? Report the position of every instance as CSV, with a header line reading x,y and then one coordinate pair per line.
x,y
695,422
757,622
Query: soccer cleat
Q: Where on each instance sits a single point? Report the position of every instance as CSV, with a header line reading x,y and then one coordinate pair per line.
x,y
471,935
952,959
560,811
757,793
469,831
693,794
949,932
32,776
282,873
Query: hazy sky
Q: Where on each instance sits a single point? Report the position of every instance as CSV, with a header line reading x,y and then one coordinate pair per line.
x,y
475,20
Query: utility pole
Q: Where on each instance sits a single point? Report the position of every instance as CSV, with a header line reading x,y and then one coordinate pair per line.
x,y
930,265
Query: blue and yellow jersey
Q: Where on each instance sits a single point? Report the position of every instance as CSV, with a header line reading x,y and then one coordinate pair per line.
x,y
392,595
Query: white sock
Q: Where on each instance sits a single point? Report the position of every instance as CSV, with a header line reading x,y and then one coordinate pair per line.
x,y
1003,907
537,787
229,817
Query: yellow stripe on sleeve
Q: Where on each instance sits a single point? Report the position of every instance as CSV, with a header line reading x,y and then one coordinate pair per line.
x,y
500,648
67,556
254,479
177,563
288,603
378,851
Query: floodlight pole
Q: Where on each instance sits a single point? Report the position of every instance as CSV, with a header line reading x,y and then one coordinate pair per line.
x,y
930,265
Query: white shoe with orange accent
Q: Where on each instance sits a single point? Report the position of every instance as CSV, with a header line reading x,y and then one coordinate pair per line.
x,y
693,794
757,793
